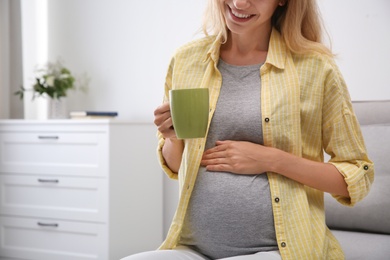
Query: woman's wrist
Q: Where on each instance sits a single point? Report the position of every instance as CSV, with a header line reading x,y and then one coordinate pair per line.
x,y
275,160
172,152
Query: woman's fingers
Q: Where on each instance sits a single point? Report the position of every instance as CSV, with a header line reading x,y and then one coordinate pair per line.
x,y
236,157
163,120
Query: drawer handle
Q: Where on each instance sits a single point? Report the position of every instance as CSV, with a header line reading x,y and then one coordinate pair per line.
x,y
48,137
47,224
48,181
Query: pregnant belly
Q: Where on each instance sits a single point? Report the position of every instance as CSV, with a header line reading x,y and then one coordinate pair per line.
x,y
229,215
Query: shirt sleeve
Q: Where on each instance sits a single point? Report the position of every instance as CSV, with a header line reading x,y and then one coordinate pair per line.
x,y
161,139
343,139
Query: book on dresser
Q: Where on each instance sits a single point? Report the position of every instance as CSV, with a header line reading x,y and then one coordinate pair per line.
x,y
93,114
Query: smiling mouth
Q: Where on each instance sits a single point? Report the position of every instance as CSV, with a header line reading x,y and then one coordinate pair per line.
x,y
239,15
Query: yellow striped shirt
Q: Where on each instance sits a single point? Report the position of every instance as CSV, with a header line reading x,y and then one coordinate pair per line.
x,y
306,109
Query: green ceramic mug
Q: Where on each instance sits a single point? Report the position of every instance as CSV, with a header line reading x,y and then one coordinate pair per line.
x,y
190,112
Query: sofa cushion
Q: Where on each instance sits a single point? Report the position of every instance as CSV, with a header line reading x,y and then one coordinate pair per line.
x,y
363,246
372,213
372,112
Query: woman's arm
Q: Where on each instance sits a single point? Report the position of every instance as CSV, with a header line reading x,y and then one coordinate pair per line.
x,y
318,175
173,148
172,153
249,158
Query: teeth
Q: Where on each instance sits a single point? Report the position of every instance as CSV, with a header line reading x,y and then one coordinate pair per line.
x,y
240,15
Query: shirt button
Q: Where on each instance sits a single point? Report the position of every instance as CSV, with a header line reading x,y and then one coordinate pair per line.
x,y
188,187
365,167
266,119
277,200
283,244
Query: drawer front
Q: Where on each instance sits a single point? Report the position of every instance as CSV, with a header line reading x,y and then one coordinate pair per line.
x,y
54,197
52,240
81,154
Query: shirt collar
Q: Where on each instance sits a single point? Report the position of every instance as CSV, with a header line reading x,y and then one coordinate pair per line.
x,y
277,50
213,51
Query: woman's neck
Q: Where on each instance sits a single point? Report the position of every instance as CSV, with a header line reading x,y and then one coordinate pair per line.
x,y
244,49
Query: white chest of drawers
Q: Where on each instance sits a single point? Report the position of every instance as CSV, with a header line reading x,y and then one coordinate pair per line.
x,y
70,189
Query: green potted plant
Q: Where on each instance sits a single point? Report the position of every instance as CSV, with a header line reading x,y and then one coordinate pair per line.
x,y
54,80
49,90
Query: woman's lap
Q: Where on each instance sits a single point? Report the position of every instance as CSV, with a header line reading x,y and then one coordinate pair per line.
x,y
185,253
179,253
271,255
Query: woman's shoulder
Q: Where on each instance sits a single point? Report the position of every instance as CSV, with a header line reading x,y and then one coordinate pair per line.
x,y
315,61
200,46
317,71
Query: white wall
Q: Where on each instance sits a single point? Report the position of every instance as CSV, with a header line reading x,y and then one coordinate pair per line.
x,y
360,33
124,46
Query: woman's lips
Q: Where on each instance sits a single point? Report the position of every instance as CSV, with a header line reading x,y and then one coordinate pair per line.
x,y
240,17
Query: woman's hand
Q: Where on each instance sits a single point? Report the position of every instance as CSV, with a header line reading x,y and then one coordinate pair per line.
x,y
163,121
238,157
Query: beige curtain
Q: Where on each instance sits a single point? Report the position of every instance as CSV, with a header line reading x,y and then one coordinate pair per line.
x,y
4,59
11,76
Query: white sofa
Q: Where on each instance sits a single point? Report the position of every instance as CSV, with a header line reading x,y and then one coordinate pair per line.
x,y
364,230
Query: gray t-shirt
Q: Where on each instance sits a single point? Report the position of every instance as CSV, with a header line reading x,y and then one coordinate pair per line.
x,y
231,214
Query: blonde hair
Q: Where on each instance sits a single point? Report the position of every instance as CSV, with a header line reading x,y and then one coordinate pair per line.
x,y
298,21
